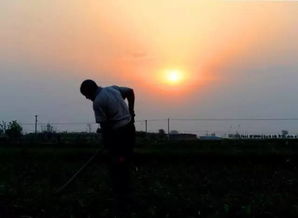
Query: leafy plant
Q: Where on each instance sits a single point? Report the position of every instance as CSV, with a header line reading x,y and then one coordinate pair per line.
x,y
2,127
14,129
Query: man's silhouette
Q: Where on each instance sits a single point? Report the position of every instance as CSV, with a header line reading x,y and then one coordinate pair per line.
x,y
116,120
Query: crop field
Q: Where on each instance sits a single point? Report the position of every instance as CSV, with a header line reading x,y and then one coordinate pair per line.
x,y
180,179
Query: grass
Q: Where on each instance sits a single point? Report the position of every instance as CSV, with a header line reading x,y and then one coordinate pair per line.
x,y
172,181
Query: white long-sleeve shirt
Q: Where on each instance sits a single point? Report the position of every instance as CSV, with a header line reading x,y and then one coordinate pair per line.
x,y
110,107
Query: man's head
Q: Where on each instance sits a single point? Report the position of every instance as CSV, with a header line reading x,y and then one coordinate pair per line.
x,y
88,89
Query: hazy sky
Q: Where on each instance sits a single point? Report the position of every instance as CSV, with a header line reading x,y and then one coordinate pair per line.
x,y
238,58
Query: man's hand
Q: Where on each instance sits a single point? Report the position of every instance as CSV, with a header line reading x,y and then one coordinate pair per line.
x,y
132,114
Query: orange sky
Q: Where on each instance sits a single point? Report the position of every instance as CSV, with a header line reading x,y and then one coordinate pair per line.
x,y
131,42
135,40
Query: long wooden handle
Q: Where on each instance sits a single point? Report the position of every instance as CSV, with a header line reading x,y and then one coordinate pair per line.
x,y
71,179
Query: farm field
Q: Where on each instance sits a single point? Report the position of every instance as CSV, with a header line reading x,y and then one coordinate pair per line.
x,y
172,179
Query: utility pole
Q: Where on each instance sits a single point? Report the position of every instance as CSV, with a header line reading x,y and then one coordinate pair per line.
x,y
168,128
146,123
36,124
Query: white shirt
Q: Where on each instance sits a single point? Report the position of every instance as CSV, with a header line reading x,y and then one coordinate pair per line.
x,y
109,106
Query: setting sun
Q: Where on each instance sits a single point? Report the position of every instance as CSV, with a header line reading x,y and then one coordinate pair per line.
x,y
173,76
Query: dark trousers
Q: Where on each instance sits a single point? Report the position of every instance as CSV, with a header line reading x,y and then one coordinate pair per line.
x,y
120,141
120,145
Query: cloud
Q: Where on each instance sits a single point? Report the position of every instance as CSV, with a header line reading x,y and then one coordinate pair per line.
x,y
139,54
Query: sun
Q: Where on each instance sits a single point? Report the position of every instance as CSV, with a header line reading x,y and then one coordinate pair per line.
x,y
173,76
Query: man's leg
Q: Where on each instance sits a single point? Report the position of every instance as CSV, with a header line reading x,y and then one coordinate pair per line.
x,y
120,169
121,186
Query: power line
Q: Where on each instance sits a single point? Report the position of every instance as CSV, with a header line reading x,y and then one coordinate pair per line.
x,y
151,120
175,119
61,123
237,119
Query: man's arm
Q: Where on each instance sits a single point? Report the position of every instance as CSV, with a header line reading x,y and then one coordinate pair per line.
x,y
128,93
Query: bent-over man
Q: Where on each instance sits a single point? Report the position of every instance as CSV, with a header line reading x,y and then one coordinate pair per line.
x,y
116,120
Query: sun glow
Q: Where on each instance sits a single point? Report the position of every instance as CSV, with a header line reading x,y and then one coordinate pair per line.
x,y
173,76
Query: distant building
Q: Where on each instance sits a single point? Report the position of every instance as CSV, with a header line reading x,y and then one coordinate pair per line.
x,y
174,132
210,137
183,136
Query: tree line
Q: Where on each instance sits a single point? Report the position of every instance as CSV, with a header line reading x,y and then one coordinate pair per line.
x,y
12,129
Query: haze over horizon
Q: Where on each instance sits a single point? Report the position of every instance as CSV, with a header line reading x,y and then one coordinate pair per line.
x,y
238,59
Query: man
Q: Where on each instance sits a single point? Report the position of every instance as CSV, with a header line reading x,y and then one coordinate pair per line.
x,y
116,120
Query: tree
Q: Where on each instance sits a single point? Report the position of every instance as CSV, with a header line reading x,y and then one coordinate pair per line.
x,y
14,129
161,132
2,127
